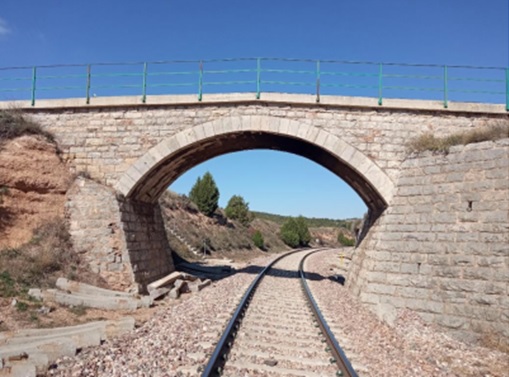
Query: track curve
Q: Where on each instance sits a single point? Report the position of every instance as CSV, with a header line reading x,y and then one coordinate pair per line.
x,y
278,329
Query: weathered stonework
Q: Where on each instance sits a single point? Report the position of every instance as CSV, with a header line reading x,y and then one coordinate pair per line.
x,y
442,246
125,242
146,241
428,251
97,232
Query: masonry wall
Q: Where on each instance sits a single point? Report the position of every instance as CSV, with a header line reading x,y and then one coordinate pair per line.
x,y
124,242
146,242
442,247
97,232
105,142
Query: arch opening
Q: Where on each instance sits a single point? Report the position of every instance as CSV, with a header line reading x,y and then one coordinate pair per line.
x,y
168,168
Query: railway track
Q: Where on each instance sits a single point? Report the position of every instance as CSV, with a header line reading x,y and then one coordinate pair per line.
x,y
278,330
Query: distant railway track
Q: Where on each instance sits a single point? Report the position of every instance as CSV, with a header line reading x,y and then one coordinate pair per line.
x,y
278,329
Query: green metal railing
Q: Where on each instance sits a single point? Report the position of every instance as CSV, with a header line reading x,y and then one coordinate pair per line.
x,y
258,76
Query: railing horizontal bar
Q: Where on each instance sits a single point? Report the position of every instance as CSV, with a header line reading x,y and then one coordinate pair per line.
x,y
170,85
271,70
16,79
353,74
115,86
350,86
172,73
475,91
294,83
476,79
433,77
133,74
15,90
413,88
67,87
254,59
230,71
229,82
42,77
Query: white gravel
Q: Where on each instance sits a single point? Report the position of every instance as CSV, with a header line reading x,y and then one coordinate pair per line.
x,y
410,348
175,342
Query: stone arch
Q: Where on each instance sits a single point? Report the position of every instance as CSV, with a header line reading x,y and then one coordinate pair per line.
x,y
152,173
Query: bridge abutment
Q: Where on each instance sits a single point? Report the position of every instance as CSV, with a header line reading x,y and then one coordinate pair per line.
x,y
442,246
123,241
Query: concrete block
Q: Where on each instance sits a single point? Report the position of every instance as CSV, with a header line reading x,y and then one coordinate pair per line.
x,y
174,293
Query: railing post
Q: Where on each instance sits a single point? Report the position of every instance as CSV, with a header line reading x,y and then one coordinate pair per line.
x,y
258,77
144,85
200,82
507,89
318,81
89,69
380,84
34,80
446,100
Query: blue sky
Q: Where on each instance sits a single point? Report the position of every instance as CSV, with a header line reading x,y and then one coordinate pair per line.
x,y
466,32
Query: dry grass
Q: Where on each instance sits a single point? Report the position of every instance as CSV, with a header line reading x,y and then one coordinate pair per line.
x,y
14,123
41,261
428,142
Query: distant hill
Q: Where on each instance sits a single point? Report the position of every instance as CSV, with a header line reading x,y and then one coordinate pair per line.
x,y
313,222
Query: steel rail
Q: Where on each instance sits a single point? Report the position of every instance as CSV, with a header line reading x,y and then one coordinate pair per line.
x,y
218,358
339,356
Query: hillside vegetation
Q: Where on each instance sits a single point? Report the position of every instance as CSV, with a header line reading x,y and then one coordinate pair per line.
x,y
312,222
222,236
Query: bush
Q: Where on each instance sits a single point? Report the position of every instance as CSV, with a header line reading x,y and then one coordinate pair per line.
x,y
295,232
303,231
258,240
238,209
345,241
205,194
13,123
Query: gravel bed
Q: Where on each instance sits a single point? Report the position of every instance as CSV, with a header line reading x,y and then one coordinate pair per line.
x,y
265,335
175,342
409,348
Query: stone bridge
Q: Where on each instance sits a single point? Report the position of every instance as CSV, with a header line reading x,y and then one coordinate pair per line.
x,y
439,235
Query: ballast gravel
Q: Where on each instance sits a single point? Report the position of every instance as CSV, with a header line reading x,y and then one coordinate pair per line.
x,y
181,335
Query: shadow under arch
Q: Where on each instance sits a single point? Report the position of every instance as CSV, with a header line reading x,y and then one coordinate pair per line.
x,y
152,173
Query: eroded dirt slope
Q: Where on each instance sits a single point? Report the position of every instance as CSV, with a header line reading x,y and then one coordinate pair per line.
x,y
33,182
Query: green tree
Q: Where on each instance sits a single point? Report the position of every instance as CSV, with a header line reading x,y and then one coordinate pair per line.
x,y
303,231
295,232
205,194
238,209
258,240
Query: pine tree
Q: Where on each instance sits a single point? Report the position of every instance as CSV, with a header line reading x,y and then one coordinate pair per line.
x,y
205,194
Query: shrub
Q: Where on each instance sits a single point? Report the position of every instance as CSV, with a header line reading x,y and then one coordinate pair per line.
x,y
205,194
345,241
13,123
238,209
258,240
295,232
303,231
